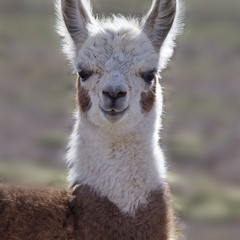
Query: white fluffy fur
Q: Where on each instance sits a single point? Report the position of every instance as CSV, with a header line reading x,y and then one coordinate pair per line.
x,y
67,43
123,165
166,50
120,160
168,46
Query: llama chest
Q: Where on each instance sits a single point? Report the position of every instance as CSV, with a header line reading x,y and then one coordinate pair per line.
x,y
97,218
124,172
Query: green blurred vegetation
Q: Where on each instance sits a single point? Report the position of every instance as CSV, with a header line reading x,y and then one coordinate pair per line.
x,y
33,174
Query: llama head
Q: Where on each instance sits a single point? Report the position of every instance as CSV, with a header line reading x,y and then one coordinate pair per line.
x,y
117,60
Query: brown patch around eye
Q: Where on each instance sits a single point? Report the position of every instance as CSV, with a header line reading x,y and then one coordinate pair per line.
x,y
148,98
84,100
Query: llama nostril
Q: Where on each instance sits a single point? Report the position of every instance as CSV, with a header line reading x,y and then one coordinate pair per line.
x,y
106,93
114,94
121,94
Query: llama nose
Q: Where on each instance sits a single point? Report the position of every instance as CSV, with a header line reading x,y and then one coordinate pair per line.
x,y
114,93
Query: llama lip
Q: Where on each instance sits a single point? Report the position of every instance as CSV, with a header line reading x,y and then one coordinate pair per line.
x,y
114,112
113,115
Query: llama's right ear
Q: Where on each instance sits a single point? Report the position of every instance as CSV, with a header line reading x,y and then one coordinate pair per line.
x,y
74,17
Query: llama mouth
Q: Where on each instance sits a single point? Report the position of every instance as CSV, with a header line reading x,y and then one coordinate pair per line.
x,y
113,115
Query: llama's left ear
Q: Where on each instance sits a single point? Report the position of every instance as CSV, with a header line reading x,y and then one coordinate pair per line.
x,y
159,21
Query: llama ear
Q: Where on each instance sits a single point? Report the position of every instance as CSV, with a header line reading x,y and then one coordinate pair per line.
x,y
159,20
73,18
76,16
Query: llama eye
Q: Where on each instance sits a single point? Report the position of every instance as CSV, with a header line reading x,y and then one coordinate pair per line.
x,y
148,76
84,74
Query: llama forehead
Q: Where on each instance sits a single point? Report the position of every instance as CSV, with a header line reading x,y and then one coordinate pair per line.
x,y
119,49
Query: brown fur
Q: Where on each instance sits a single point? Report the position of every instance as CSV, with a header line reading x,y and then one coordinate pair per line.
x,y
84,100
47,214
36,214
102,220
148,98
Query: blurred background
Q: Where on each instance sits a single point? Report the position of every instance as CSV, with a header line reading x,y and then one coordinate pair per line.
x,y
201,134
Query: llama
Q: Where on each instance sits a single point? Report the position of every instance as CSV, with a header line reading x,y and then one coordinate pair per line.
x,y
116,167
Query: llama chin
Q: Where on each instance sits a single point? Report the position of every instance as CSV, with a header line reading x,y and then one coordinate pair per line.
x,y
116,166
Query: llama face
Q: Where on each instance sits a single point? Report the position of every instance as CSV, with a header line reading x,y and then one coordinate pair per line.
x,y
117,59
117,68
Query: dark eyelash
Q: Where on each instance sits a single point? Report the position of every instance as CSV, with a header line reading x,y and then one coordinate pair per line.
x,y
84,74
148,76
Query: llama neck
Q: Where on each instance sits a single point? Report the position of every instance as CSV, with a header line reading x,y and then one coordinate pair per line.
x,y
123,167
